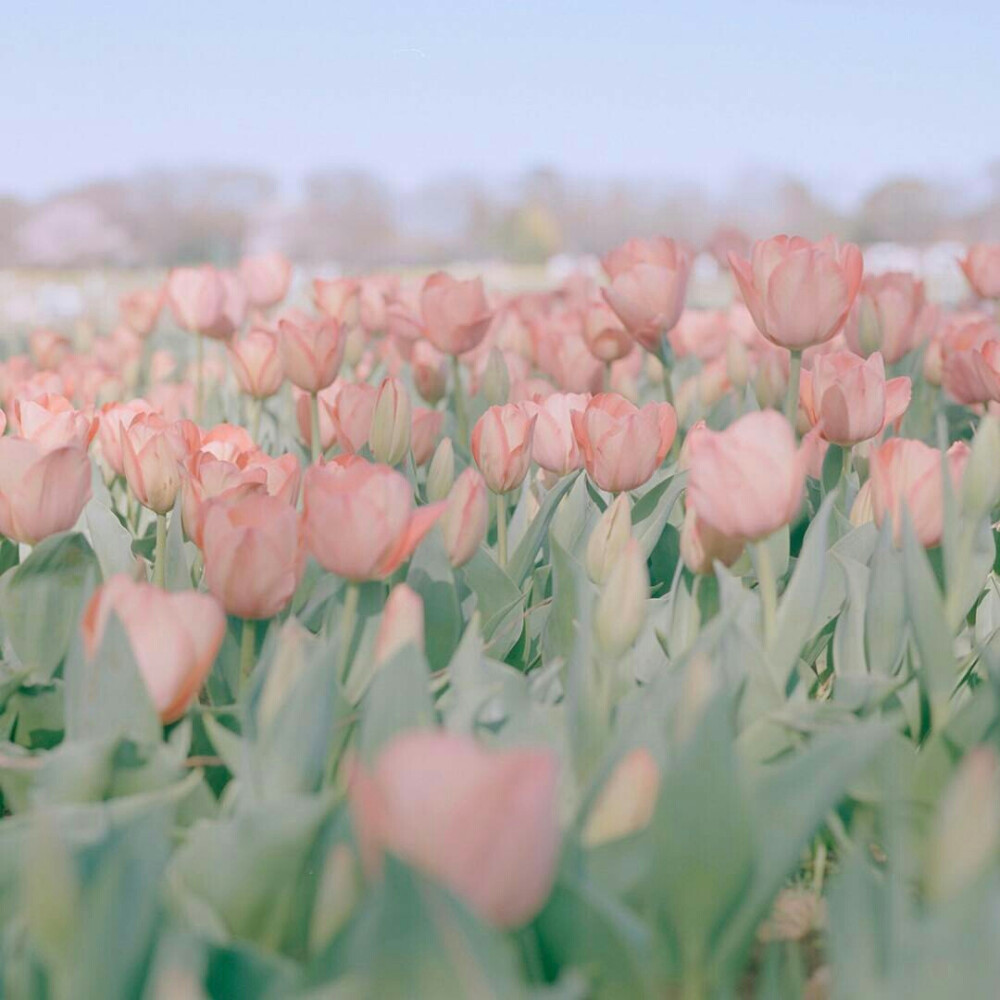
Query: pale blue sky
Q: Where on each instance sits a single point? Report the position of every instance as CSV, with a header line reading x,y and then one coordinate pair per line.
x,y
841,92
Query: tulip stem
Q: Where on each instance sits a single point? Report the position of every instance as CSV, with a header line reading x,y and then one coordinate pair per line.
x,y
248,644
199,392
461,417
256,408
767,585
314,441
348,617
792,399
160,555
501,530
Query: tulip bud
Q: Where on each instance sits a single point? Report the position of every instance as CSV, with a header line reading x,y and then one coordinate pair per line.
x,y
465,518
627,801
967,826
737,363
496,379
981,479
771,382
402,624
863,510
621,604
354,346
609,538
441,474
389,437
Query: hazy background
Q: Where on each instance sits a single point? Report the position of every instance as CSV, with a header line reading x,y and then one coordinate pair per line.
x,y
379,133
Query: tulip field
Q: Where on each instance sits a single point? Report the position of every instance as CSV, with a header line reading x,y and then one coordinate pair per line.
x,y
395,636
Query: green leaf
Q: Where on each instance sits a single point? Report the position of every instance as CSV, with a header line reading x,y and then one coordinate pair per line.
x,y
110,539
398,699
885,607
523,558
430,575
651,512
499,601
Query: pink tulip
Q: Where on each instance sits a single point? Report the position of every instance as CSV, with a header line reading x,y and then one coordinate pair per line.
x,y
206,479
337,299
311,350
481,822
702,546
174,637
254,556
554,446
908,474
456,314
197,297
359,518
52,422
424,436
887,316
48,348
402,624
153,452
501,445
747,481
227,441
961,331
850,400
42,491
266,278
648,284
352,414
372,302
799,293
282,475
622,445
701,333
326,400
466,517
982,267
110,421
972,375
430,371
140,310
605,336
257,364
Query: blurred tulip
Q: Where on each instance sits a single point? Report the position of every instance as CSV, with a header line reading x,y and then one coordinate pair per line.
x,y
42,491
391,423
608,539
441,474
359,518
627,801
495,384
140,310
53,422
234,308
430,371
311,350
484,823
424,436
605,336
554,446
501,445
266,278
197,297
982,267
622,446
621,605
799,293
908,474
648,284
253,554
862,510
153,452
701,333
466,518
973,375
402,624
337,298
352,414
887,316
748,480
48,348
702,545
174,637
456,315
256,362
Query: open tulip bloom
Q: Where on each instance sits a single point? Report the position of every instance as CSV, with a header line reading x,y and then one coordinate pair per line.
x,y
408,643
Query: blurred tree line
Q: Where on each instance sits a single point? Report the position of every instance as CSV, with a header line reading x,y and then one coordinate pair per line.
x,y
354,219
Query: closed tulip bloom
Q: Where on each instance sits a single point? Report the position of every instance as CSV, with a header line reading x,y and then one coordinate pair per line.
x,y
207,478
972,375
42,491
849,398
747,481
603,332
227,441
53,422
554,446
197,297
48,349
441,474
623,445
863,510
282,475
266,278
391,423
337,298
627,801
701,333
402,623
327,403
648,285
311,350
174,637
799,293
961,331
111,418
256,362
253,554
887,316
621,605
430,371
359,518
908,474
466,517
481,822
456,314
702,546
608,539
153,453
424,436
501,445
982,267
352,415
140,310
234,308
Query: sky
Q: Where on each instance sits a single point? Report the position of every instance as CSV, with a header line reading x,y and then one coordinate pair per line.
x,y
839,92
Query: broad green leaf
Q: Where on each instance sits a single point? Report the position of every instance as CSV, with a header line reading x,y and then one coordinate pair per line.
x,y
523,557
398,699
499,601
431,576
